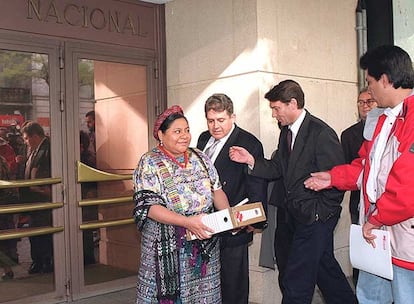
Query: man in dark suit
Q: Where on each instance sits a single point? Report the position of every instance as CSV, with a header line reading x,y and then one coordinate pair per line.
x,y
351,140
237,184
38,166
305,144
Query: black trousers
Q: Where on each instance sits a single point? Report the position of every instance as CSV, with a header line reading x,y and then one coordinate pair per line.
x,y
234,274
312,262
283,239
41,248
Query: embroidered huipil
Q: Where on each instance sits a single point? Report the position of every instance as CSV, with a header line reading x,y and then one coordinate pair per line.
x,y
186,191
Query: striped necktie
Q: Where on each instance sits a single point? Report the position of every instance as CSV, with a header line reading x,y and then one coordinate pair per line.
x,y
210,150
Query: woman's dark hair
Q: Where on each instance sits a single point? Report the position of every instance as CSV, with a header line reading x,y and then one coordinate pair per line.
x,y
169,120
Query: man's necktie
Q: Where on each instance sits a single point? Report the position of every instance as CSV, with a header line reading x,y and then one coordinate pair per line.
x,y
289,140
210,150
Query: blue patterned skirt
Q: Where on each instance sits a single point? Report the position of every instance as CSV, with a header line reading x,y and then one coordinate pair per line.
x,y
194,288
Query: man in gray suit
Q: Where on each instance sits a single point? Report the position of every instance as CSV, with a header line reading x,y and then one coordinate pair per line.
x,y
305,144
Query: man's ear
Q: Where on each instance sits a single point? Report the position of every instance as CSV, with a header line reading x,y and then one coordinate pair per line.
x,y
385,80
294,102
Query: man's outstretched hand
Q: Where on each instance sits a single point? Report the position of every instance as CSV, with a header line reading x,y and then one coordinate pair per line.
x,y
318,181
241,155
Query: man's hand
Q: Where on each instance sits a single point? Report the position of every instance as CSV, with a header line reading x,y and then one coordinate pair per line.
x,y
241,155
318,181
367,233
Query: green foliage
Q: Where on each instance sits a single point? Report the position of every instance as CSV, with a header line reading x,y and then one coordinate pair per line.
x,y
85,72
18,69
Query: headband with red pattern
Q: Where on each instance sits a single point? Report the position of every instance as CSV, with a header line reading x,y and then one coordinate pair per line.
x,y
163,116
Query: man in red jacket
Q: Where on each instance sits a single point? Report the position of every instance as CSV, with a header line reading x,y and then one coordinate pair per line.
x,y
384,173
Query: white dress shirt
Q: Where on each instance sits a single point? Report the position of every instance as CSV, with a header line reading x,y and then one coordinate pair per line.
x,y
219,145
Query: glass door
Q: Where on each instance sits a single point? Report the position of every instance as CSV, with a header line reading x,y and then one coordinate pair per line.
x,y
74,122
31,173
110,119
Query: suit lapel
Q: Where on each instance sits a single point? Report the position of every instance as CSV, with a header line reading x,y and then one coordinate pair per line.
x,y
203,141
223,156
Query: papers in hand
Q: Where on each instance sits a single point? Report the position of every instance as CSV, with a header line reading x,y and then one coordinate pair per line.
x,y
373,260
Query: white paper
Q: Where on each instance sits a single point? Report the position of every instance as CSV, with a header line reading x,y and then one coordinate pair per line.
x,y
242,202
219,221
373,260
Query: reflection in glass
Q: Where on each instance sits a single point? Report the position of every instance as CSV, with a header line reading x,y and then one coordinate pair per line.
x,y
108,93
25,154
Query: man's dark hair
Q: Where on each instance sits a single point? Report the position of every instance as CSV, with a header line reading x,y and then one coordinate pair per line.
x,y
392,61
91,114
285,91
219,103
33,128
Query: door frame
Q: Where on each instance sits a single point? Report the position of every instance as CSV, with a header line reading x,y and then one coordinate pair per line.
x,y
73,51
26,43
63,55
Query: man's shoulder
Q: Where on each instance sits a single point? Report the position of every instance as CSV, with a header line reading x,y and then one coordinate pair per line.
x,y
317,127
245,135
316,122
407,110
46,141
352,129
203,138
410,98
409,101
204,135
44,148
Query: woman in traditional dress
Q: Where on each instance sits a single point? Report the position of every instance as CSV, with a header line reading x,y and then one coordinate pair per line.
x,y
174,187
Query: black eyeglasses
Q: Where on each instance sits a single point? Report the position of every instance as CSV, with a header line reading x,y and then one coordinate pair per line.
x,y
367,102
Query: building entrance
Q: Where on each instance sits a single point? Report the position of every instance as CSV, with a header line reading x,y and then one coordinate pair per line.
x,y
74,121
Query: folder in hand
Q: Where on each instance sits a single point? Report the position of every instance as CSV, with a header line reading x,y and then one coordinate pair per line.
x,y
367,258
